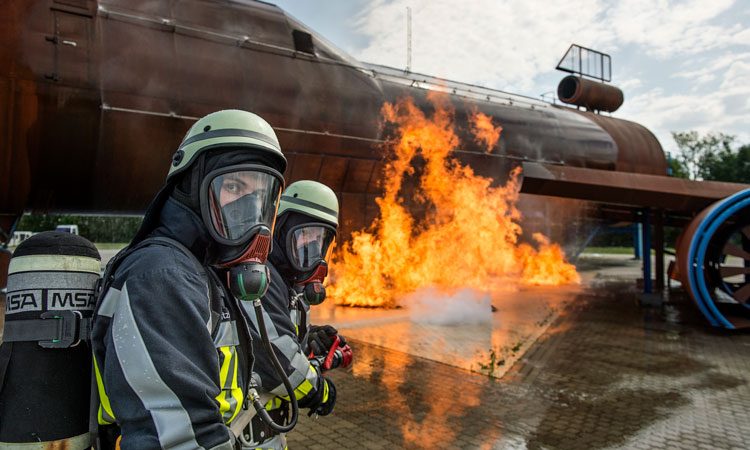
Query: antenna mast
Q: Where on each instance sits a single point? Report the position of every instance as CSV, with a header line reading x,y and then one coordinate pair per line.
x,y
408,39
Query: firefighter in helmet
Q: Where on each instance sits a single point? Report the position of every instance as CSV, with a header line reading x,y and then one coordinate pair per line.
x,y
306,227
172,352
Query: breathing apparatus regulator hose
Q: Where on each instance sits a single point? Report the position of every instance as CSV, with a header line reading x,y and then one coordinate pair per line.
x,y
259,408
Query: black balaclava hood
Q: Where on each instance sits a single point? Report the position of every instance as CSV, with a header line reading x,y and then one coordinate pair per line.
x,y
188,186
278,256
177,221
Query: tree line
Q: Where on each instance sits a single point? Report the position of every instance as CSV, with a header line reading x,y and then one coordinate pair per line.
x,y
713,156
118,229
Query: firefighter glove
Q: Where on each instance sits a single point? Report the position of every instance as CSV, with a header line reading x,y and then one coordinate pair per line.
x,y
321,339
327,404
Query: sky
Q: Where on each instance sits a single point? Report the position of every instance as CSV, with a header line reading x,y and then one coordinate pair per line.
x,y
682,64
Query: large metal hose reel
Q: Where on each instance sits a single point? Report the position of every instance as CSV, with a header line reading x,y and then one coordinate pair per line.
x,y
713,261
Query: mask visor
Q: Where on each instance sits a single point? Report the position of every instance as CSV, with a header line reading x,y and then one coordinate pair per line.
x,y
240,201
309,244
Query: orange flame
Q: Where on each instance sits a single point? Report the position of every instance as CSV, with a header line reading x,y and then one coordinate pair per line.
x,y
468,237
484,132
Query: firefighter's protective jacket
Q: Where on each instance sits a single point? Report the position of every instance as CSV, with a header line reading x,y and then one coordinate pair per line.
x,y
171,348
285,320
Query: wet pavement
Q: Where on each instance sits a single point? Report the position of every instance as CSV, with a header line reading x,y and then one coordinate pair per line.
x,y
481,333
605,372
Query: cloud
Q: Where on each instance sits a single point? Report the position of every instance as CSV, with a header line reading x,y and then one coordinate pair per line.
x,y
709,68
499,44
666,28
683,64
630,83
506,43
722,106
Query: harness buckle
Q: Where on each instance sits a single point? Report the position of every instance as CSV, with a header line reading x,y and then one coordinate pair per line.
x,y
68,328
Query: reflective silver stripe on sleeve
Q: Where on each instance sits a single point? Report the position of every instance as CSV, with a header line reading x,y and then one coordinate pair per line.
x,y
109,303
272,332
288,347
212,316
172,422
296,379
312,374
225,446
286,344
227,335
302,371
291,350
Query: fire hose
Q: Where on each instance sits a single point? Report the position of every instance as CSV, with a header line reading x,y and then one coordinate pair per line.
x,y
259,408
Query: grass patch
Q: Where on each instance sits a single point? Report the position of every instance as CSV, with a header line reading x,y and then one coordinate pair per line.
x,y
110,245
610,250
617,250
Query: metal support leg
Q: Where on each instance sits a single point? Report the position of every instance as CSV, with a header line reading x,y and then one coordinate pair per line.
x,y
637,240
646,251
659,249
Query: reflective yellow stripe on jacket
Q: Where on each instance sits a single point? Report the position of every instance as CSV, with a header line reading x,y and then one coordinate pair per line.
x,y
300,392
105,416
230,398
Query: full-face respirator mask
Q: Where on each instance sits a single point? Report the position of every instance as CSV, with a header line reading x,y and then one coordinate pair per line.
x,y
308,248
238,206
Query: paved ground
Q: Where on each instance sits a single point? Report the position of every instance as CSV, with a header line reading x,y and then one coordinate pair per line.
x,y
608,373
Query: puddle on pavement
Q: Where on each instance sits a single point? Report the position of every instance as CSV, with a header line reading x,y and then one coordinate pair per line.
x,y
460,330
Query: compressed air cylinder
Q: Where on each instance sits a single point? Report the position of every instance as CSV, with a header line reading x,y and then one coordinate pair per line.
x,y
46,382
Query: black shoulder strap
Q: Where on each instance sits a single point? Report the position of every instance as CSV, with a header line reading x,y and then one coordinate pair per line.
x,y
216,299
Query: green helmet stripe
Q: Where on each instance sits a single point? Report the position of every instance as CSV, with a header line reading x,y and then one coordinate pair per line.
x,y
227,132
301,202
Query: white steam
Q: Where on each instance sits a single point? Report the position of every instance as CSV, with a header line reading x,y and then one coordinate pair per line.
x,y
464,307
